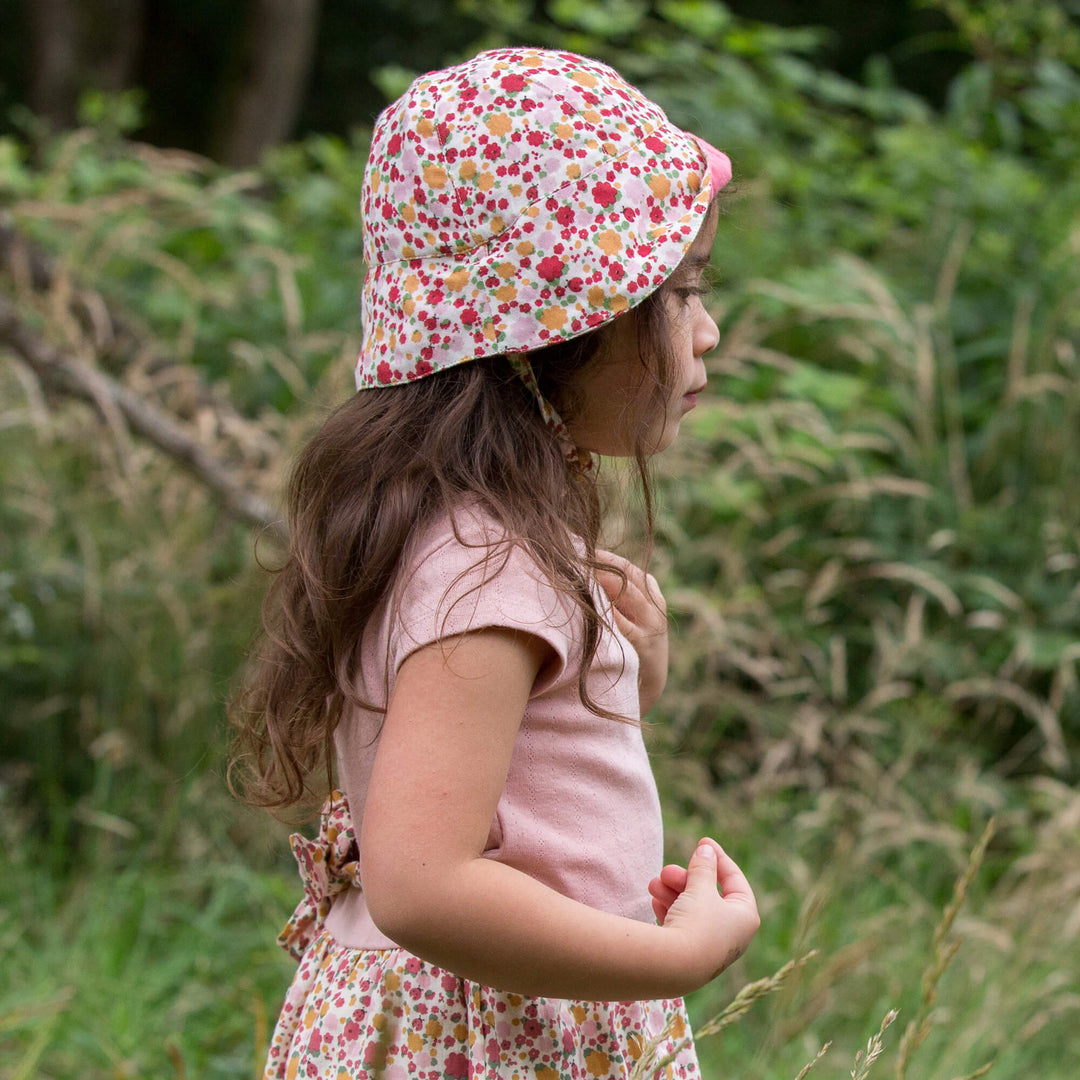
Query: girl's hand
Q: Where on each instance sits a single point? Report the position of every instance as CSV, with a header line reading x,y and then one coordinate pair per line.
x,y
721,922
641,614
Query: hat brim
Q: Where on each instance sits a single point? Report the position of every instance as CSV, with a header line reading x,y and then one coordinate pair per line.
x,y
423,315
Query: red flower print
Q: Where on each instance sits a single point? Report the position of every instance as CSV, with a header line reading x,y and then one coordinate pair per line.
x,y
457,1066
656,144
352,1030
535,138
550,268
513,83
492,151
604,194
394,145
565,215
384,372
412,965
532,1028
449,983
423,368
469,317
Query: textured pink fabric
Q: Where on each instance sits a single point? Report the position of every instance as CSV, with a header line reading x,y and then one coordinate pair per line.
x,y
580,811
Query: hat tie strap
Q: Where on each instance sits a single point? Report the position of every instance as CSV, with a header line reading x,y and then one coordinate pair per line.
x,y
580,461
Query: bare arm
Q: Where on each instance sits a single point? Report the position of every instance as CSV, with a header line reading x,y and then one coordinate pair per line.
x,y
442,762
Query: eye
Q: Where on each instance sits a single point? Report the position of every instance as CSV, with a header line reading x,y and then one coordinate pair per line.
x,y
684,292
697,281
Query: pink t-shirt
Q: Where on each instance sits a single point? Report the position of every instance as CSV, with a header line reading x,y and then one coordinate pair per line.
x,y
580,810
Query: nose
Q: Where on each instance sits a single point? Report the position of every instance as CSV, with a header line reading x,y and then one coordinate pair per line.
x,y
706,332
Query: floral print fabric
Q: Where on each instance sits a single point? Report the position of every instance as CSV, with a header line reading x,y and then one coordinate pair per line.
x,y
356,1013
524,197
328,865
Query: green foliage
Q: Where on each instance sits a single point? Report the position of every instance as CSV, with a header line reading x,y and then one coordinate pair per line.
x,y
144,972
127,599
877,510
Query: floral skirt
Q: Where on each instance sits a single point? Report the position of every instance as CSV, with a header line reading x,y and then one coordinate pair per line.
x,y
353,1014
357,1013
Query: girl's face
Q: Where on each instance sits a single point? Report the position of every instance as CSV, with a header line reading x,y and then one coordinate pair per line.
x,y
614,393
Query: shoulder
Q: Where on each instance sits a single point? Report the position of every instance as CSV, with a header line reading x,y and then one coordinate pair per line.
x,y
462,572
471,544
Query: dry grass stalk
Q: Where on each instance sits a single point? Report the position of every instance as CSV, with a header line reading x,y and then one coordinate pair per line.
x,y
942,955
874,1046
805,1070
982,1070
651,1065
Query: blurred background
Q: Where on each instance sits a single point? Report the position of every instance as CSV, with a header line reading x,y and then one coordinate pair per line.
x,y
869,537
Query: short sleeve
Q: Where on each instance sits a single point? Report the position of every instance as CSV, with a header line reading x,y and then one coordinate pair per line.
x,y
475,579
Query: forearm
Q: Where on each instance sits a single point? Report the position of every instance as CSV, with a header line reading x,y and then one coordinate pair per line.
x,y
488,922
450,730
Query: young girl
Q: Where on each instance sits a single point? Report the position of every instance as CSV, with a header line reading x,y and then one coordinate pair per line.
x,y
485,897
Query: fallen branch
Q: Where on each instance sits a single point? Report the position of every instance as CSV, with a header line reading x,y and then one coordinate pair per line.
x,y
66,375
115,340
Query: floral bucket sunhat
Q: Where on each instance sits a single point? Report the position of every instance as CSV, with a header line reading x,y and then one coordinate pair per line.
x,y
519,199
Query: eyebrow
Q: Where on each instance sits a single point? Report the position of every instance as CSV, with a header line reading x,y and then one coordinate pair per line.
x,y
694,262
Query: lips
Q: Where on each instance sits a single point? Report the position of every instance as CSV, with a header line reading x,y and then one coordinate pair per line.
x,y
690,397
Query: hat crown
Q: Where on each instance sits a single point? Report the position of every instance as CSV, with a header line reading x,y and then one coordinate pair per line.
x,y
521,198
476,146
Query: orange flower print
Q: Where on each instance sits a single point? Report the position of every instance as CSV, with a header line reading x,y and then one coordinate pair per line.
x,y
597,1063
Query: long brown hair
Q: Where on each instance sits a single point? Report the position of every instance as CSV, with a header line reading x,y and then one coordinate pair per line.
x,y
385,464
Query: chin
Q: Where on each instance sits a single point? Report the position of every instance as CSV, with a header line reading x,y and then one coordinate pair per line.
x,y
666,437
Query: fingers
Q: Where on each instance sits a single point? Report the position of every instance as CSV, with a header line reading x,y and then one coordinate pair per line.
x,y
634,594
660,911
674,877
732,880
701,871
662,893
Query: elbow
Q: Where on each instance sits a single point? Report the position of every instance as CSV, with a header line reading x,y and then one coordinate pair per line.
x,y
402,905
389,907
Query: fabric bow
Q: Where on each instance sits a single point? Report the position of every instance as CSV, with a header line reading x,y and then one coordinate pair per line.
x,y
328,865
